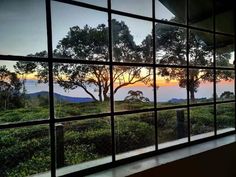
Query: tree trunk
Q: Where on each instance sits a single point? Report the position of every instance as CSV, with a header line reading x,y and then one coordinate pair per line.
x,y
5,104
105,91
100,94
192,95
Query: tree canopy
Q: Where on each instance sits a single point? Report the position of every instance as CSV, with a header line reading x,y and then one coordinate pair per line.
x,y
91,44
171,50
10,89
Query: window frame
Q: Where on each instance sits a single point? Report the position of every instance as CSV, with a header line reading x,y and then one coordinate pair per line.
x,y
50,59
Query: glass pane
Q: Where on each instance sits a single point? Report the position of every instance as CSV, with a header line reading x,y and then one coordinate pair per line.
x,y
133,88
102,3
201,122
25,151
83,144
201,14
225,85
225,51
225,117
201,85
81,89
135,134
200,48
225,20
172,127
79,33
170,45
132,40
23,27
174,11
23,92
171,87
137,7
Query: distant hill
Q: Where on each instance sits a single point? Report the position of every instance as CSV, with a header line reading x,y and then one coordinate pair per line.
x,y
176,100
60,97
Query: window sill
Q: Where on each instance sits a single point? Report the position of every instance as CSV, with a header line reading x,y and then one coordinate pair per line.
x,y
155,161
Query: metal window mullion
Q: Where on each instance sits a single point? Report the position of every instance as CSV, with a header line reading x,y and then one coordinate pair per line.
x,y
111,84
154,73
51,95
214,64
187,53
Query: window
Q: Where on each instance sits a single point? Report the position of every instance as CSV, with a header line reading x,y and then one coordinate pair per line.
x,y
91,84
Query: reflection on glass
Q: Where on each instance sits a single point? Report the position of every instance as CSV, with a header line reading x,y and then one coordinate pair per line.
x,y
86,143
174,11
201,85
225,51
170,45
172,127
225,20
133,88
81,89
79,33
201,122
23,27
23,92
201,13
171,87
102,3
225,117
137,7
132,40
135,134
24,151
225,85
200,48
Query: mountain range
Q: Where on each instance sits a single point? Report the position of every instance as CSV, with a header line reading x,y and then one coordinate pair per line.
x,y
60,97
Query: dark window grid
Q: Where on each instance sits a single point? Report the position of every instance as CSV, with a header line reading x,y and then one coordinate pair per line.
x,y
108,63
50,61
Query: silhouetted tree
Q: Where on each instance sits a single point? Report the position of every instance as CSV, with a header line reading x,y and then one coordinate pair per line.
x,y
10,89
227,95
91,44
171,50
136,96
23,68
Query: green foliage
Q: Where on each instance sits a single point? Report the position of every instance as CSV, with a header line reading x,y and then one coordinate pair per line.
x,y
202,120
132,134
24,114
26,151
225,115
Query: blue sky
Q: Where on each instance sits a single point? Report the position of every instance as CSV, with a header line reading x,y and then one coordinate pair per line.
x,y
23,22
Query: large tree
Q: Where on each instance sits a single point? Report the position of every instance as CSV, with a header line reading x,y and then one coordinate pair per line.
x,y
171,50
92,44
10,89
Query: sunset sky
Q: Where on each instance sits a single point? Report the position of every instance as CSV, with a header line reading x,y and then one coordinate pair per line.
x,y
23,31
